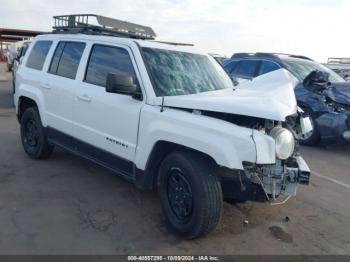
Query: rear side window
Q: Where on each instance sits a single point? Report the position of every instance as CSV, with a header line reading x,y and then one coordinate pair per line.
x,y
65,61
230,66
107,59
38,54
246,68
267,67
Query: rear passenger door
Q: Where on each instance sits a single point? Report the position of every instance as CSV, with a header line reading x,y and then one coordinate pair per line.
x,y
106,124
61,87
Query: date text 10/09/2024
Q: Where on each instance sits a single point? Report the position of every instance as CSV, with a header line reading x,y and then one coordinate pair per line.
x,y
173,258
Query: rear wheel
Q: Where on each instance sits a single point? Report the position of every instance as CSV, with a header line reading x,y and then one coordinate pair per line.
x,y
190,194
33,135
313,137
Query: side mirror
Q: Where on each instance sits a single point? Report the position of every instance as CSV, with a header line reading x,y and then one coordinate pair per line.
x,y
347,78
317,80
122,84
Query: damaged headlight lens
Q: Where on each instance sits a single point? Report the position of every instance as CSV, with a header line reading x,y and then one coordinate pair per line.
x,y
285,142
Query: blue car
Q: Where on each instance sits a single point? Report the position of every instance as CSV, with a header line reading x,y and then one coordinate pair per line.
x,y
321,93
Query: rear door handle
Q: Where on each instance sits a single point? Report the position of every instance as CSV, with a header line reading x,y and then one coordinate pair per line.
x,y
84,97
46,85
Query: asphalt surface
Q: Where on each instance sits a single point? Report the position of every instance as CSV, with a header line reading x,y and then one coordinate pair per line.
x,y
67,205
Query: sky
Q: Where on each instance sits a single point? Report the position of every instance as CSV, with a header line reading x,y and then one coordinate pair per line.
x,y
315,28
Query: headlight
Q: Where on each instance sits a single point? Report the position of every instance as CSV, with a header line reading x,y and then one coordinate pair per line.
x,y
285,142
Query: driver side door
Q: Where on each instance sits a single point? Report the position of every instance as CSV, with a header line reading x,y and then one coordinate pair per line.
x,y
106,124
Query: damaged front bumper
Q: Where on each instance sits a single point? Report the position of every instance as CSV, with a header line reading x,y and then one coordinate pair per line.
x,y
267,182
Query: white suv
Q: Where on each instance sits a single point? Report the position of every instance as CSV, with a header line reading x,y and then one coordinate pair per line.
x,y
164,117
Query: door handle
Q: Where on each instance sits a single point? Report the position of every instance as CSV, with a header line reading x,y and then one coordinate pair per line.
x,y
46,85
84,97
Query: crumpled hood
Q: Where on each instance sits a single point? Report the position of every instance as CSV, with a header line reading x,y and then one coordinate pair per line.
x,y
339,92
270,96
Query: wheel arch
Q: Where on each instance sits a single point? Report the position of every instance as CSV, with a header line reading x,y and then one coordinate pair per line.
x,y
148,179
25,102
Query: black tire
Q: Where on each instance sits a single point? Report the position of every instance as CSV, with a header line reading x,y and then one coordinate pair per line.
x,y
34,139
199,190
315,137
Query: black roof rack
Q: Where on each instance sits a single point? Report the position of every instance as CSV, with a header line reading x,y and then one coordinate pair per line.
x,y
83,23
268,55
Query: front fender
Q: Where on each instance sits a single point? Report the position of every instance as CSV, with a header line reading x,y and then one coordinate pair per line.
x,y
228,144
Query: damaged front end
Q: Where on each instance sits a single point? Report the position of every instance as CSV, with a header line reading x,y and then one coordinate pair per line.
x,y
281,179
267,182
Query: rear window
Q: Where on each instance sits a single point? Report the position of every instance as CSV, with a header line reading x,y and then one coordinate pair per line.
x,y
38,54
267,67
65,61
246,68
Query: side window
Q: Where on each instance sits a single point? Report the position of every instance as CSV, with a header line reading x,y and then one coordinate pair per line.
x,y
38,54
108,59
267,67
246,68
65,61
230,66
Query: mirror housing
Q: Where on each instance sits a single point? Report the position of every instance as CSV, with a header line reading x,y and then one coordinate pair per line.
x,y
316,81
122,84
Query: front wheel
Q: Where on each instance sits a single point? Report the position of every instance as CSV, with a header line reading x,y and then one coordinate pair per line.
x,y
190,194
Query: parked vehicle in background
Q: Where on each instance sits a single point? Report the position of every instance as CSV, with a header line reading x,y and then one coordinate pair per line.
x,y
328,106
219,58
163,117
341,66
12,52
3,55
17,61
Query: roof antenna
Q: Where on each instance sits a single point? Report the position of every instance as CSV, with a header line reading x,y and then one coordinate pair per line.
x,y
162,107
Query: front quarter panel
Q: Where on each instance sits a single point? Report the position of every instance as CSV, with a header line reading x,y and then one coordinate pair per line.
x,y
228,144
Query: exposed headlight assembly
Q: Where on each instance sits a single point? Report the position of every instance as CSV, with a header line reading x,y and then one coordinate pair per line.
x,y
285,143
